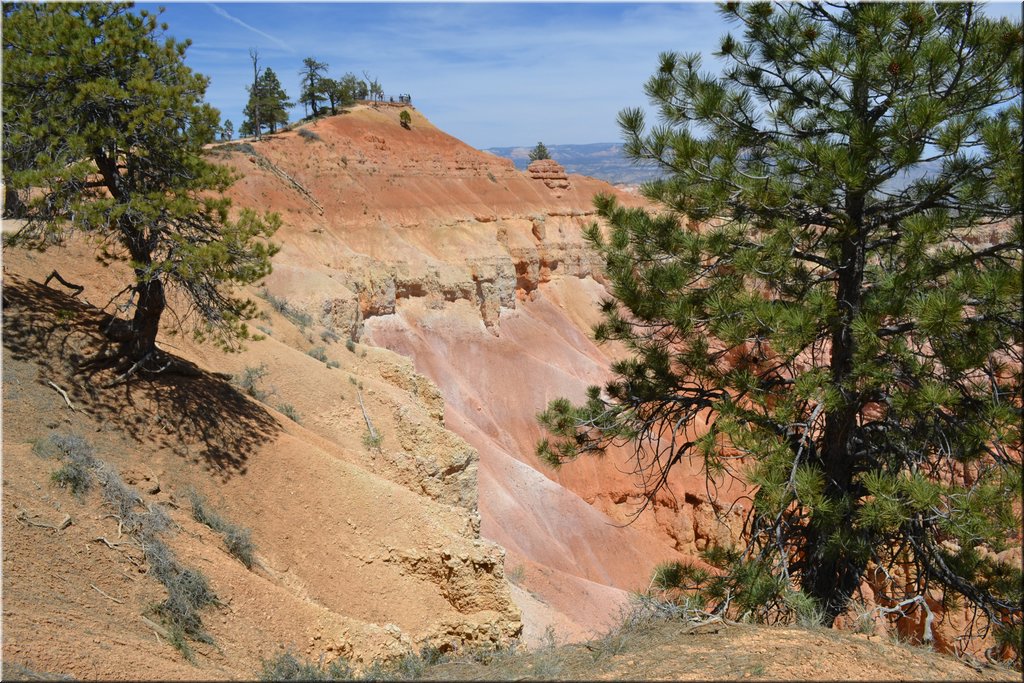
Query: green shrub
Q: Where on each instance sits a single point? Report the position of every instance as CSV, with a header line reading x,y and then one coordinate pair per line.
x,y
806,611
288,410
318,352
78,463
72,476
309,135
281,305
350,345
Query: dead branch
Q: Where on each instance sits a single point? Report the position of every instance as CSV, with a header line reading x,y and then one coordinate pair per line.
x,y
108,597
55,275
24,518
716,619
157,628
62,393
369,425
104,540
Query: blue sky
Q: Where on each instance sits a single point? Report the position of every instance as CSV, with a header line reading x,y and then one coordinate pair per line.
x,y
491,74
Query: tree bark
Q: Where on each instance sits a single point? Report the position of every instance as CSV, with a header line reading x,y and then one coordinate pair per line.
x,y
13,206
150,304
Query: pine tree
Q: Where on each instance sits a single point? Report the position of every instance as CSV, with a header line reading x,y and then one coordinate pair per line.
x,y
269,102
312,91
332,91
108,126
830,306
539,152
352,88
227,131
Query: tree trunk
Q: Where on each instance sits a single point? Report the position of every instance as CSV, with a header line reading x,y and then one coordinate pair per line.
x,y
150,304
13,206
831,577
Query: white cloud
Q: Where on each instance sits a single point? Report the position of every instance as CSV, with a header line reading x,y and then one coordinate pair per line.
x,y
280,43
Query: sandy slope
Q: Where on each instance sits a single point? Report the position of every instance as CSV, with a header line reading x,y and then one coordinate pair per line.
x,y
349,563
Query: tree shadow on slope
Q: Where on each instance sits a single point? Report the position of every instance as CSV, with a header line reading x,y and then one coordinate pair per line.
x,y
193,413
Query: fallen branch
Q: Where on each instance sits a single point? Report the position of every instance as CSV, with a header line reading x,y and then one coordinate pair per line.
x,y
717,619
62,393
24,518
369,425
104,540
109,597
55,275
157,628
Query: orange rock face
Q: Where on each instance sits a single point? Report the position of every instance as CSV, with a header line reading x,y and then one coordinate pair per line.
x,y
549,171
479,274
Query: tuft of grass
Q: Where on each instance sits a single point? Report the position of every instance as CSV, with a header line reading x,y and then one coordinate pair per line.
x,y
239,543
350,345
13,671
329,335
318,352
414,665
757,670
288,410
805,609
516,574
118,495
309,135
237,540
188,591
72,476
642,614
373,441
291,667
249,381
78,462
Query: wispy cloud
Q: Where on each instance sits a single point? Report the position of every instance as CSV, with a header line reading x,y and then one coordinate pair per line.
x,y
277,41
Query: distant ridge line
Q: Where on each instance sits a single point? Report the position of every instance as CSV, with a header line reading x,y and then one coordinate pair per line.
x,y
602,160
